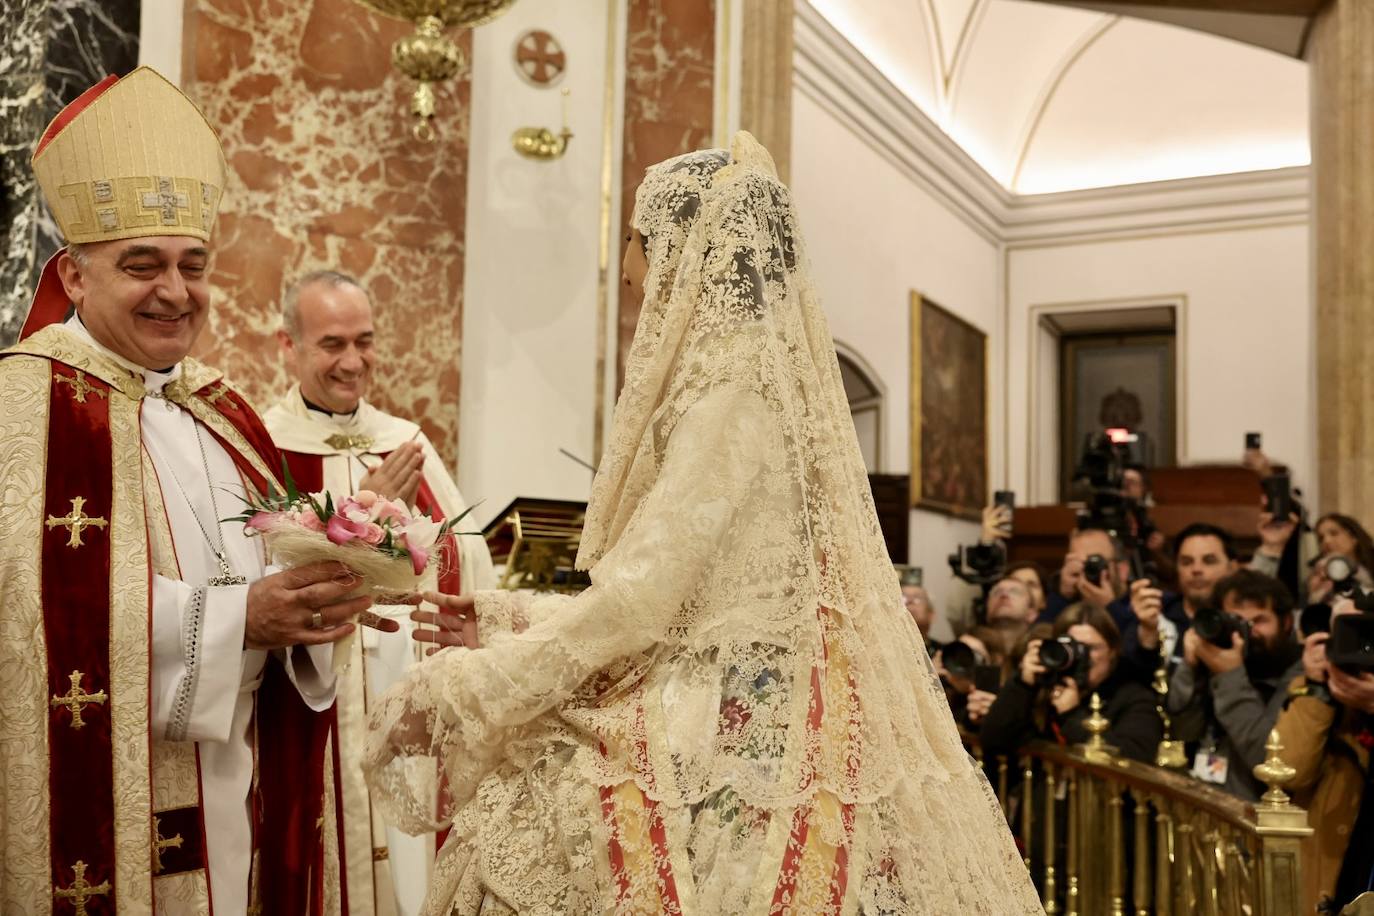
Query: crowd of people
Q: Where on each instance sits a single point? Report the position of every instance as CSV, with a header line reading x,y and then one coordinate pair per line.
x,y
1240,641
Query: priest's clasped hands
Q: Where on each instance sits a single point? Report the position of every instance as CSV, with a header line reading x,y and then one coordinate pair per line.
x,y
398,476
307,606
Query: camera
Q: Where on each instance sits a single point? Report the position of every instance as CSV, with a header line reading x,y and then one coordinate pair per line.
x,y
1216,626
961,659
1093,568
1343,574
1315,618
1064,657
1351,647
978,564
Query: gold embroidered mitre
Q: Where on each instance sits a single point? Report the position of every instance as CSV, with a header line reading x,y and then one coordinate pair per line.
x,y
132,157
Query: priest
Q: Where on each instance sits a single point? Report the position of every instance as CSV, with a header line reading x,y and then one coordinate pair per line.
x,y
334,439
166,694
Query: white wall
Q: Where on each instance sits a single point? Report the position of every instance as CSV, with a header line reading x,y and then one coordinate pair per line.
x,y
1245,329
160,37
529,381
874,236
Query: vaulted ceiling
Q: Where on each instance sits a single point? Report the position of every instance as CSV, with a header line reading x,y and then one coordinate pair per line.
x,y
1051,98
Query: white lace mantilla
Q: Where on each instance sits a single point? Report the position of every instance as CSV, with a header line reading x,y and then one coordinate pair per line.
x,y
731,719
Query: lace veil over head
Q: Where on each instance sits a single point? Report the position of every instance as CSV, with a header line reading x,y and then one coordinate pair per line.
x,y
742,663
729,302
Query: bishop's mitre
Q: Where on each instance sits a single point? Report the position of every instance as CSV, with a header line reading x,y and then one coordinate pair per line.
x,y
131,157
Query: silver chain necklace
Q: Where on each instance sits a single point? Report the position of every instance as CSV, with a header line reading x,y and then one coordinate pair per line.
x,y
226,575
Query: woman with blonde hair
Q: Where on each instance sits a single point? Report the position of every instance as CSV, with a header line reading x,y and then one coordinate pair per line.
x,y
731,719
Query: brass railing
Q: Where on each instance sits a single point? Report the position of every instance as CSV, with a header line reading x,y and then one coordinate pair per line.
x,y
1104,835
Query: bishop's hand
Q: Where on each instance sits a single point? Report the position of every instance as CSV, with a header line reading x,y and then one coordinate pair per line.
x,y
282,607
398,476
455,622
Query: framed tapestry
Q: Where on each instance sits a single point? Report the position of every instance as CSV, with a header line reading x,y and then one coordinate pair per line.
x,y
949,412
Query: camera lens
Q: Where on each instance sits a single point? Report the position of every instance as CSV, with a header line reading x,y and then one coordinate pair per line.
x,y
1209,623
1055,654
1340,569
1315,618
960,659
1093,568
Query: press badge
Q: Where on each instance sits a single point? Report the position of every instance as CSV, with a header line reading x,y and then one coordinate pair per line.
x,y
1209,766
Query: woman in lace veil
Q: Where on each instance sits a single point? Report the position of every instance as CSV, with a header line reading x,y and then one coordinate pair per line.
x,y
736,717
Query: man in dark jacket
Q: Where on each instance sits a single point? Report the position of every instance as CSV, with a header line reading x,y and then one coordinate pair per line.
x,y
1228,692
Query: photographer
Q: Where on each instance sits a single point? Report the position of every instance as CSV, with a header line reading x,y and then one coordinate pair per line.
x,y
1032,576
916,600
1049,697
1203,555
966,670
1095,572
1339,536
1327,730
1227,693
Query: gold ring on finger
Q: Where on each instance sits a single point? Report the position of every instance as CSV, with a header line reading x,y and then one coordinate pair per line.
x,y
316,621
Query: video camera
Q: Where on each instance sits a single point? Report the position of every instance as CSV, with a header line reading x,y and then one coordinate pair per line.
x,y
1101,470
979,564
1064,657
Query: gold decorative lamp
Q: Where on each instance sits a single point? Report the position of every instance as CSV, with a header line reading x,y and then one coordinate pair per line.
x,y
540,143
429,56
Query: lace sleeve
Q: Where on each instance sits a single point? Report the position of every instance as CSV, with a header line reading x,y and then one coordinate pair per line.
x,y
460,708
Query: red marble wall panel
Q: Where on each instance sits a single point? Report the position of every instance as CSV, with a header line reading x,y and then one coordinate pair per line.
x,y
325,173
670,59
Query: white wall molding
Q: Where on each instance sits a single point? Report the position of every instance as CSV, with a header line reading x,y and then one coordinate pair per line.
x,y
834,74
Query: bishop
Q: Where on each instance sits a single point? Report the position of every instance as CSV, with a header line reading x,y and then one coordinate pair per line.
x,y
167,694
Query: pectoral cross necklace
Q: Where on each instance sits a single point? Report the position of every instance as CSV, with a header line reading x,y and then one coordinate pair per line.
x,y
226,575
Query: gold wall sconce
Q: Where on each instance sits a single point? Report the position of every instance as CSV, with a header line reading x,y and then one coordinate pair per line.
x,y
542,144
429,56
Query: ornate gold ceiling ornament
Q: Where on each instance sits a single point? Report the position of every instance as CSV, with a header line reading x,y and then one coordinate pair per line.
x,y
429,56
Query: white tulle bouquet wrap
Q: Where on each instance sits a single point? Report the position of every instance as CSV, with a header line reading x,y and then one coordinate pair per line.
x,y
392,547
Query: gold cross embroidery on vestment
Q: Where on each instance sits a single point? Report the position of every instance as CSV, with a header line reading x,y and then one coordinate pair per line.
x,y
80,387
346,442
214,394
80,891
77,520
159,844
77,698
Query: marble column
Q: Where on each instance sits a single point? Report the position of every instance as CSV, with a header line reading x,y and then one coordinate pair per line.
x,y
51,52
1342,59
670,53
324,173
766,77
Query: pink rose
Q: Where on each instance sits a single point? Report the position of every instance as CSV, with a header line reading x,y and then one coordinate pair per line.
x,y
341,530
308,520
365,498
373,535
266,521
352,510
384,510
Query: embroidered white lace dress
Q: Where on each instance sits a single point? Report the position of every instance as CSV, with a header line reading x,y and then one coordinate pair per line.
x,y
731,720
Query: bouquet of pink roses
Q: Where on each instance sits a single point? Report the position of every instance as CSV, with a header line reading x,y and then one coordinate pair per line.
x,y
390,546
